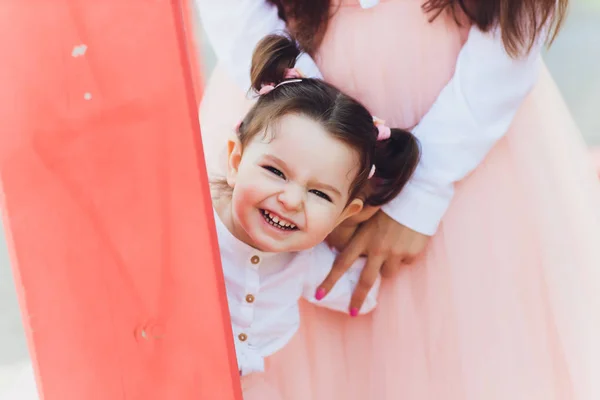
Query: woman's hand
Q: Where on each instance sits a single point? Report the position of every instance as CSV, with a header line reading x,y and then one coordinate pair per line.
x,y
387,245
342,235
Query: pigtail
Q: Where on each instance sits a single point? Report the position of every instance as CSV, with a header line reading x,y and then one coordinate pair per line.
x,y
273,56
396,159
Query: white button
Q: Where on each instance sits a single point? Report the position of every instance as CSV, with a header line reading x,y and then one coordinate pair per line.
x,y
368,3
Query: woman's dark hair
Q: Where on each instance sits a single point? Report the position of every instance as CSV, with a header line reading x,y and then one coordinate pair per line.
x,y
343,117
521,21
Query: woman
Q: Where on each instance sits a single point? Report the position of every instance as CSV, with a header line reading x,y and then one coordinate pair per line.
x,y
503,302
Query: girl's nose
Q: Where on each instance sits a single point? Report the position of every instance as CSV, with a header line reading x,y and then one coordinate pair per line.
x,y
292,197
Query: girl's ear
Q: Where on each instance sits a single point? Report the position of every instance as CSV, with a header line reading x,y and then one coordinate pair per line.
x,y
234,157
350,210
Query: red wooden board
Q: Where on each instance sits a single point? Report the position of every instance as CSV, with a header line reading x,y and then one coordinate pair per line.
x,y
106,202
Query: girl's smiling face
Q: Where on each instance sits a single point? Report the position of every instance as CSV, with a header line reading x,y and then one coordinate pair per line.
x,y
290,186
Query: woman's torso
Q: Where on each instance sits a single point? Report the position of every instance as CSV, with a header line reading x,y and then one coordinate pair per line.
x,y
390,57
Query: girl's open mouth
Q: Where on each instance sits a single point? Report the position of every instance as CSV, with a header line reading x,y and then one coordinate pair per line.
x,y
278,222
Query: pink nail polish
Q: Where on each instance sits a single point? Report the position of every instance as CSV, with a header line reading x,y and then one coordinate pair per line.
x,y
320,293
354,312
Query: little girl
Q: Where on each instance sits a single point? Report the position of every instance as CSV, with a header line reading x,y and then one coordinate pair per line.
x,y
306,157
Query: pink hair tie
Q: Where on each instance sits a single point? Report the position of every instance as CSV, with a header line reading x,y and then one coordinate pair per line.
x,y
292,73
384,131
266,89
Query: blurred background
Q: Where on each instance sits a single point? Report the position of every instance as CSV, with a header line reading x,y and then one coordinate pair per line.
x,y
573,60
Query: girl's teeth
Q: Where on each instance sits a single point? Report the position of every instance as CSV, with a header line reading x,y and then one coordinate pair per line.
x,y
279,222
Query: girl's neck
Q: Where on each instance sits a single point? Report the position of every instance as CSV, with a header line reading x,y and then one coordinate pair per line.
x,y
222,206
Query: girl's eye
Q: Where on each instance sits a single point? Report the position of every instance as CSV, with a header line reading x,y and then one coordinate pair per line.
x,y
275,171
321,194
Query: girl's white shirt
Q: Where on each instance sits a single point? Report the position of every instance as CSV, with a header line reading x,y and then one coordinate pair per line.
x,y
263,290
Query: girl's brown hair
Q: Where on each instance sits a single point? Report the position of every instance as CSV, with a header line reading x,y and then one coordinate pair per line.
x,y
521,22
345,118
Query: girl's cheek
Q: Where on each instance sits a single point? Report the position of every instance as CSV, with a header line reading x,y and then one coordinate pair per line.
x,y
322,216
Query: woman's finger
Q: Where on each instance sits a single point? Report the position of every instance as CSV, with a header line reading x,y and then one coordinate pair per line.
x,y
343,262
368,277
